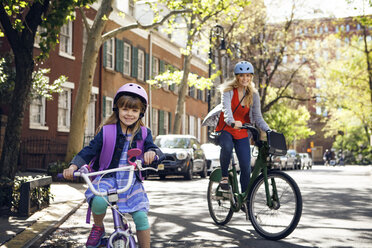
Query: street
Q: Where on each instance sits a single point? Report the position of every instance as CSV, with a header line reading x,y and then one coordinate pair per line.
x,y
337,212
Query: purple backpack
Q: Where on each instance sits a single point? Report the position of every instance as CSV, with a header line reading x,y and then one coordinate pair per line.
x,y
108,146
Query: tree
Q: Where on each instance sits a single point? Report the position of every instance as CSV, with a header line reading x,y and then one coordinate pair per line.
x,y
19,22
344,93
266,44
95,38
203,14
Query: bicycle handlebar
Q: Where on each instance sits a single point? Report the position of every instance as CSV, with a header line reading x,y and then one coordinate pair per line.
x,y
83,172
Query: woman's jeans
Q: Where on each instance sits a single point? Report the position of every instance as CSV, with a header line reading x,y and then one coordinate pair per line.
x,y
243,151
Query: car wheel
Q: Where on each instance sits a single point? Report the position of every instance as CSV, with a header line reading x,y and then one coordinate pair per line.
x,y
189,172
204,173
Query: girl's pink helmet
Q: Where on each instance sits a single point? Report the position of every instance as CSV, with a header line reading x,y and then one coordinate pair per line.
x,y
132,89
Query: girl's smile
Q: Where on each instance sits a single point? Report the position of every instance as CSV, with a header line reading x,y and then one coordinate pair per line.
x,y
128,116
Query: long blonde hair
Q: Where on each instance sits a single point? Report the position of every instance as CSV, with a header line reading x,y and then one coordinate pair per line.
x,y
233,84
127,101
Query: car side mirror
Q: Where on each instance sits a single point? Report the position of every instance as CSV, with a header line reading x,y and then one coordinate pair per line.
x,y
194,146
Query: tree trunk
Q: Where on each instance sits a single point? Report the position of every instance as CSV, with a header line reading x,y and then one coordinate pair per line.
x,y
24,64
79,113
182,95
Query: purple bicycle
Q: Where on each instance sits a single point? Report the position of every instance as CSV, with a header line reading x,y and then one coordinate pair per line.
x,y
122,236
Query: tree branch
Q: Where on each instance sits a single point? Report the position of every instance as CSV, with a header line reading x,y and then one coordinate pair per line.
x,y
86,24
114,32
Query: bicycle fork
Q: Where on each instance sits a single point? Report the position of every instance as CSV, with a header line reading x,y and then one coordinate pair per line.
x,y
271,199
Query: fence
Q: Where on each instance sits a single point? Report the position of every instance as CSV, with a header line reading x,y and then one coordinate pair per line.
x,y
38,152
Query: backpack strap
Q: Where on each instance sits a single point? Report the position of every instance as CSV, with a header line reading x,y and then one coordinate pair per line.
x,y
140,145
108,146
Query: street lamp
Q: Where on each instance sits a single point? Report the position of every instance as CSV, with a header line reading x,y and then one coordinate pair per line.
x,y
218,32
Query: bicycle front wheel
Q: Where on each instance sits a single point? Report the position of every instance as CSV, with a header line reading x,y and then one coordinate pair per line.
x,y
278,221
219,204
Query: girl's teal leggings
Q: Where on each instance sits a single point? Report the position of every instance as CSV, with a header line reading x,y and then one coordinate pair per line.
x,y
99,206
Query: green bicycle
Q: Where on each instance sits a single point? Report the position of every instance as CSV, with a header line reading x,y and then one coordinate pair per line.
x,y
272,201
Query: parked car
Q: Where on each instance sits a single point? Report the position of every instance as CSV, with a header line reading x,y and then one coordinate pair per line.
x,y
288,161
306,161
183,156
212,155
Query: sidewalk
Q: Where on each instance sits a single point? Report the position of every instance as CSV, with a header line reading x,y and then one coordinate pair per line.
x,y
17,232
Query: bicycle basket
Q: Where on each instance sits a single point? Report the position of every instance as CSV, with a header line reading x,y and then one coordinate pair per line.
x,y
277,145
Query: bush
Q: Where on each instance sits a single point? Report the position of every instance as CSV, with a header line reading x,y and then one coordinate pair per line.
x,y
10,194
56,167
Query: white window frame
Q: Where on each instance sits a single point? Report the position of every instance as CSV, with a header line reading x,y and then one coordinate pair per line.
x,y
127,59
38,37
155,122
110,51
141,65
91,118
109,104
66,87
41,110
65,50
155,67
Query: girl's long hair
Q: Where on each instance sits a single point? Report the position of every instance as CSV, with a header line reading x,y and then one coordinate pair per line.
x,y
126,101
233,84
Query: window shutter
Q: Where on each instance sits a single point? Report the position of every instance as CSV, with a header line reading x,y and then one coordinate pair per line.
x,y
104,107
104,54
119,55
162,66
161,122
147,70
134,62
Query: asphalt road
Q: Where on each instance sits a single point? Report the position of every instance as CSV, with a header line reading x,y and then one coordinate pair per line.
x,y
337,212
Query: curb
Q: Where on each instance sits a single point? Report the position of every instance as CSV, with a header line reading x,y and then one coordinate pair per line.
x,y
35,234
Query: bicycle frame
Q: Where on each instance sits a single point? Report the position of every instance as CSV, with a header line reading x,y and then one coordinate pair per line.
x,y
261,166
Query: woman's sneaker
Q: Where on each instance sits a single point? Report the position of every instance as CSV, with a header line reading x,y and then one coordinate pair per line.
x,y
95,236
224,185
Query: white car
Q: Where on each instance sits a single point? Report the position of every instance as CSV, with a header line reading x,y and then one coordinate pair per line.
x,y
306,161
212,156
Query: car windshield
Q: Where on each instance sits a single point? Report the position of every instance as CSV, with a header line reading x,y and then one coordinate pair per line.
x,y
172,142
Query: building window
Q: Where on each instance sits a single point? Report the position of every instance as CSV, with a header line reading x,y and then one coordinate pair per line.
x,y
108,102
336,29
109,48
347,28
65,40
154,129
326,29
297,45
127,59
358,26
91,120
155,67
320,30
64,107
38,37
141,65
37,113
304,45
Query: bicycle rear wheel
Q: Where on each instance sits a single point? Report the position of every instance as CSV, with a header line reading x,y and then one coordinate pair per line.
x,y
219,204
281,219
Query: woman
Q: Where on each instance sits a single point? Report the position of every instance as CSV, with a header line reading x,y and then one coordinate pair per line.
x,y
240,105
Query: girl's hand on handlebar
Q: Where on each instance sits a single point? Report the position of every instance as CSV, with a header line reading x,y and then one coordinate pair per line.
x,y
238,124
149,157
69,172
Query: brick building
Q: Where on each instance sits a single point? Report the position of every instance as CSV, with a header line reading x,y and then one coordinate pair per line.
x,y
132,56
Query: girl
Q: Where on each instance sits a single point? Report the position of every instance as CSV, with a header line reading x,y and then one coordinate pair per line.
x,y
240,104
130,105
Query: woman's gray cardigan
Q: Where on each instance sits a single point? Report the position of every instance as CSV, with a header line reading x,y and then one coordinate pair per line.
x,y
255,115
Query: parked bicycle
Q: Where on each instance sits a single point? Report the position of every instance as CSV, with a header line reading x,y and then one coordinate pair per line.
x,y
122,236
272,201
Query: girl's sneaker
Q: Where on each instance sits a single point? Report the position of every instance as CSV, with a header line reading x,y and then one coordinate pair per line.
x,y
95,236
